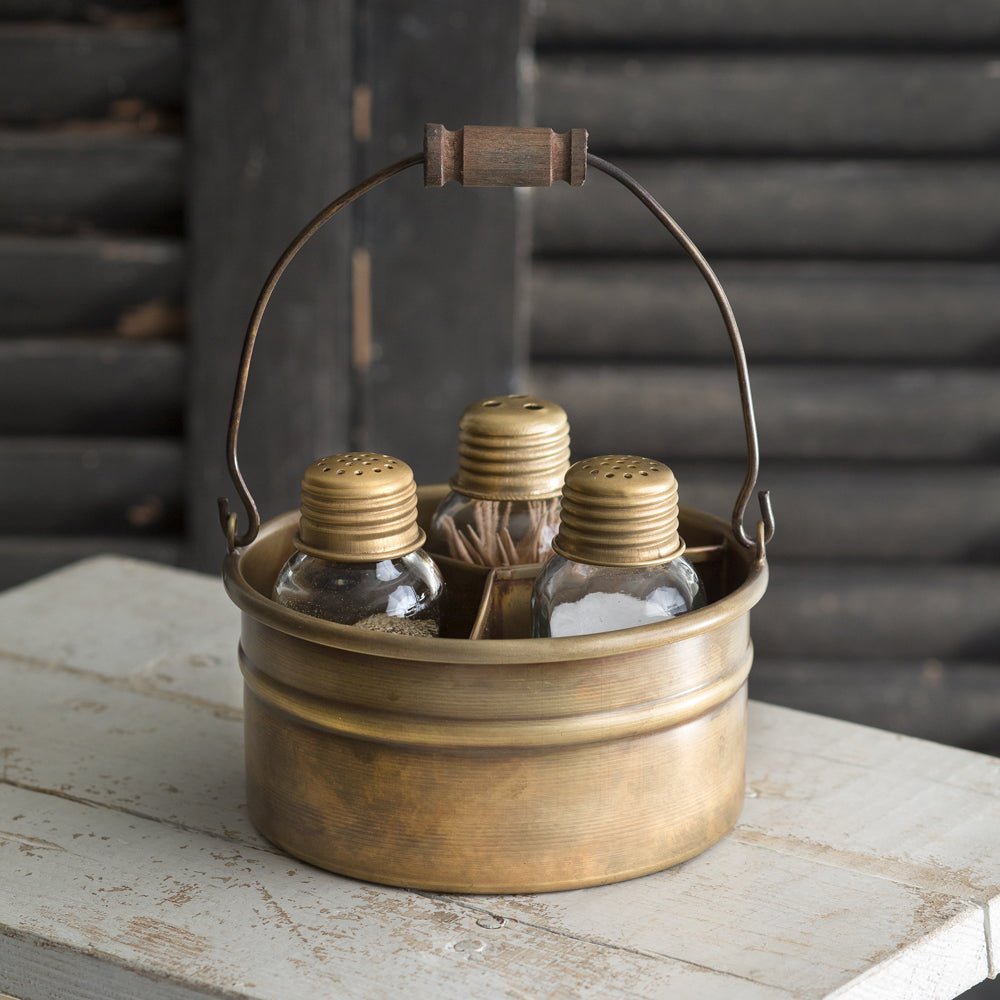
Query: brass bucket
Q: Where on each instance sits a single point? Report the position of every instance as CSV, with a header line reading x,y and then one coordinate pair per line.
x,y
486,761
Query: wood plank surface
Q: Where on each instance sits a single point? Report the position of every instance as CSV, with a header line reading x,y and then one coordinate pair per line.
x,y
741,23
777,208
955,702
60,283
810,412
90,386
649,102
866,511
448,320
91,486
803,768
862,865
314,936
67,181
307,933
78,71
787,310
866,611
279,76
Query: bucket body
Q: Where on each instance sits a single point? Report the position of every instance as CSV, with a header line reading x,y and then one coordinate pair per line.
x,y
503,763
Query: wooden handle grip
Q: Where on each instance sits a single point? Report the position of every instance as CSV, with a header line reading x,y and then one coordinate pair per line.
x,y
500,156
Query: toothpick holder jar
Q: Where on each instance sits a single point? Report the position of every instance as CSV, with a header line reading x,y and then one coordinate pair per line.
x,y
483,760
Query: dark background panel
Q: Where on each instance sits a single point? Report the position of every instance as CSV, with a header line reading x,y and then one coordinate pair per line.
x,y
837,162
93,352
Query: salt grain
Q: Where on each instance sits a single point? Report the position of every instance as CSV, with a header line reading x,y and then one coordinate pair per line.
x,y
608,612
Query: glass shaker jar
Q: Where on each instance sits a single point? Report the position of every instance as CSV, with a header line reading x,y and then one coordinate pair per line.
x,y
619,560
358,558
503,508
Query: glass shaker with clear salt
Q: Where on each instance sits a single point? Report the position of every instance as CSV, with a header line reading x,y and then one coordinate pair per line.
x,y
618,558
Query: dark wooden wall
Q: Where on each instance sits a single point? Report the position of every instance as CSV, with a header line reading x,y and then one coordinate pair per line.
x,y
269,126
445,321
91,275
837,161
155,158
399,311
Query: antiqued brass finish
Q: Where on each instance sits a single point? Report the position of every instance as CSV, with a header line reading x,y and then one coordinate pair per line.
x,y
512,448
619,510
497,763
501,764
358,506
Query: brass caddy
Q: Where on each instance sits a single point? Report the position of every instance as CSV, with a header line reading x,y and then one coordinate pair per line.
x,y
487,761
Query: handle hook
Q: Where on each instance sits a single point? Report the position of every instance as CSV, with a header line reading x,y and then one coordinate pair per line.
x,y
226,518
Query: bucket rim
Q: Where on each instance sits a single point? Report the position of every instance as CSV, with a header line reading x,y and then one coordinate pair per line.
x,y
268,613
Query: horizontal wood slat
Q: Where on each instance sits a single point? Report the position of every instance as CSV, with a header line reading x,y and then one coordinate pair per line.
x,y
98,11
53,72
836,161
929,23
956,703
776,208
59,283
687,411
59,181
99,486
82,386
91,458
877,611
25,557
863,512
791,103
794,310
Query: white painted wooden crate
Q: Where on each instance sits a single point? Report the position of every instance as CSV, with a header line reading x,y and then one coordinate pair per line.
x,y
866,864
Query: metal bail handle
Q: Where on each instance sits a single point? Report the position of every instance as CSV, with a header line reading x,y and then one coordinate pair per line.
x,y
491,156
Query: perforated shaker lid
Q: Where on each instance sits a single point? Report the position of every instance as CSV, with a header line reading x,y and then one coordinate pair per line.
x,y
512,448
358,506
619,510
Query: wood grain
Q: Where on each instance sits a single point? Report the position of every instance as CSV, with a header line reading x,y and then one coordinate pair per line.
x,y
90,386
871,512
76,181
103,486
777,208
78,71
648,102
866,611
58,284
279,76
954,702
449,322
806,772
862,864
184,669
503,156
856,412
787,310
98,11
322,936
743,23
